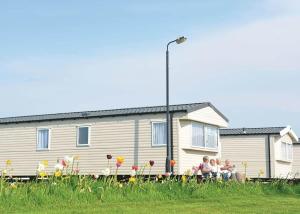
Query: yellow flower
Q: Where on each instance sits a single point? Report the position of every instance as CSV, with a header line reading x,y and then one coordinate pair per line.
x,y
159,176
120,160
132,180
76,157
45,163
13,186
120,185
245,164
261,172
42,174
183,178
8,162
4,172
57,173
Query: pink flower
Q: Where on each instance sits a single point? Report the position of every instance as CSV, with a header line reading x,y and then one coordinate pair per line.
x,y
134,168
118,164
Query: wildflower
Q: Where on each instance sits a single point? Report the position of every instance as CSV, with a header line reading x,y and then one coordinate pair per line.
x,y
183,179
120,160
42,174
134,168
13,186
58,166
8,162
76,171
64,163
245,164
109,157
172,163
76,157
133,173
57,173
68,160
4,172
132,180
261,173
120,185
45,163
118,165
41,167
188,172
96,176
159,176
151,162
106,172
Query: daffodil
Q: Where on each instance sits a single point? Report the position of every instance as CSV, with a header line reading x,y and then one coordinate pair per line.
x,y
120,185
261,173
183,179
42,174
8,162
4,172
41,167
57,173
45,163
13,186
132,180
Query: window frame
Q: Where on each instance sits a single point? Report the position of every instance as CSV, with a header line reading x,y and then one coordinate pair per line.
x,y
37,138
78,133
152,136
204,125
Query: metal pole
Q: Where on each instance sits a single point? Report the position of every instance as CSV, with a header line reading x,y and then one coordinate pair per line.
x,y
167,113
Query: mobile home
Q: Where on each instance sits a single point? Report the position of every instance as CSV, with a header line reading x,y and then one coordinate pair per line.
x,y
296,159
267,151
137,134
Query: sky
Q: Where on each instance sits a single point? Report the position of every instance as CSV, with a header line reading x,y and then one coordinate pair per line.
x,y
63,56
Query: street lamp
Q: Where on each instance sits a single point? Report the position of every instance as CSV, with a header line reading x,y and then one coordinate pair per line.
x,y
168,158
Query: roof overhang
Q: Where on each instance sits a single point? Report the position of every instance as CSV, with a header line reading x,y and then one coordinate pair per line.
x,y
288,130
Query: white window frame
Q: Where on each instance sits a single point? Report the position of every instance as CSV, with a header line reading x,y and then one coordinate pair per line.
x,y
37,139
204,136
152,136
286,158
89,136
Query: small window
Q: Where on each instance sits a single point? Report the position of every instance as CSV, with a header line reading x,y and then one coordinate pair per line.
x,y
83,136
43,139
286,151
159,133
198,135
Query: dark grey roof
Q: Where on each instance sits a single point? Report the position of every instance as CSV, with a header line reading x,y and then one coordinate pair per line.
x,y
251,131
109,113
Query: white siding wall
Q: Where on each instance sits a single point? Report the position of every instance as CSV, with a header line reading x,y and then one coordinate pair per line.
x,y
251,149
120,136
296,160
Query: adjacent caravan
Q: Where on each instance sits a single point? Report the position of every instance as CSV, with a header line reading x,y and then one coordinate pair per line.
x,y
267,151
137,134
296,159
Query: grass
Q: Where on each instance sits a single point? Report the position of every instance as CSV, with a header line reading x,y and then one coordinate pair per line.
x,y
85,195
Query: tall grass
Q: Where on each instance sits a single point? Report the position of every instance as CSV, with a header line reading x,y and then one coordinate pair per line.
x,y
76,190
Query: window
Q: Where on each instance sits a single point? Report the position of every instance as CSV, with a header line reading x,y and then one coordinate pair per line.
x,y
43,139
159,133
204,136
198,135
83,136
286,151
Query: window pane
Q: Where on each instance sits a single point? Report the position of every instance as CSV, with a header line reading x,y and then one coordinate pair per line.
x,y
159,133
211,136
43,139
290,151
83,138
283,151
197,135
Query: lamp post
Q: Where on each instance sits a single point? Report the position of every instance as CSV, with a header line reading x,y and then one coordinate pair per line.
x,y
168,134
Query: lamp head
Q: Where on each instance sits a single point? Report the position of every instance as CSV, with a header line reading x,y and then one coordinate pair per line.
x,y
180,40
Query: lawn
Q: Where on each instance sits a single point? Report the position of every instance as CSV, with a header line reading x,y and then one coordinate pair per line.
x,y
172,196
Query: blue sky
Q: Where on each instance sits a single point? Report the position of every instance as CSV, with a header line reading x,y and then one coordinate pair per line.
x,y
243,56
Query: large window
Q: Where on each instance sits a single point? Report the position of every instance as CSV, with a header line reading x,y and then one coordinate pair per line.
x,y
286,151
43,139
204,136
159,133
83,136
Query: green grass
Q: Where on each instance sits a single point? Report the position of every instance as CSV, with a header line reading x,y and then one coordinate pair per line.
x,y
89,196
